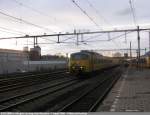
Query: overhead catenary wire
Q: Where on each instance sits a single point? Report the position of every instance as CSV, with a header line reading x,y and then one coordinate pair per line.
x,y
42,43
36,11
98,13
11,31
116,49
133,12
70,34
69,38
111,39
115,44
24,21
128,31
14,31
92,37
86,40
85,13
116,37
31,8
8,32
48,39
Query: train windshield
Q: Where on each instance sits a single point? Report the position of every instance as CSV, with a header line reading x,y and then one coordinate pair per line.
x,y
79,56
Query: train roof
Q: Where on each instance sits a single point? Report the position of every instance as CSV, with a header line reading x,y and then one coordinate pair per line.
x,y
88,52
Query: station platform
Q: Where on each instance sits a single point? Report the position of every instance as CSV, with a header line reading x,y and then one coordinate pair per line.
x,y
131,93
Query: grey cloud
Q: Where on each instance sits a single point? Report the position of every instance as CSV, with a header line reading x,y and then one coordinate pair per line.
x,y
123,12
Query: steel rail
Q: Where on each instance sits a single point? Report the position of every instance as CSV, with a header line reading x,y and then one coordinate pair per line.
x,y
99,84
18,102
21,77
29,82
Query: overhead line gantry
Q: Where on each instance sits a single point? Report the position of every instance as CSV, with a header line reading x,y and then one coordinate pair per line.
x,y
78,33
85,33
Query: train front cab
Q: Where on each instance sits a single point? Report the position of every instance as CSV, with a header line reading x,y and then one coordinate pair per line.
x,y
79,63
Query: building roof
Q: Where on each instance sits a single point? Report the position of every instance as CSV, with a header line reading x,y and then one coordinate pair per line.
x,y
10,50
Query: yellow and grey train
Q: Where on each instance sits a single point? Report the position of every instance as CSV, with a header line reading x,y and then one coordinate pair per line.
x,y
143,62
88,61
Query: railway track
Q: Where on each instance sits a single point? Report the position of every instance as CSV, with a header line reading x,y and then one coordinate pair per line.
x,y
24,76
10,104
12,84
64,94
49,93
89,100
18,75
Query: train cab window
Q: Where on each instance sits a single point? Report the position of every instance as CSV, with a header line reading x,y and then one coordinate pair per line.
x,y
79,56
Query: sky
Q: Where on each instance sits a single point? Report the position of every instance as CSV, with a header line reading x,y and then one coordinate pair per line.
x,y
38,17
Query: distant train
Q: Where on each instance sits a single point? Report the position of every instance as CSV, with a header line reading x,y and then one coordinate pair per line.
x,y
143,62
88,61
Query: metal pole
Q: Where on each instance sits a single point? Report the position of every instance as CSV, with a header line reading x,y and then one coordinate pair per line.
x,y
28,58
130,51
138,36
77,39
138,33
145,50
82,38
149,41
58,39
137,58
34,41
125,37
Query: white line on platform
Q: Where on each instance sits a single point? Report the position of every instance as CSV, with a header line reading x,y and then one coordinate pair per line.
x,y
128,110
113,107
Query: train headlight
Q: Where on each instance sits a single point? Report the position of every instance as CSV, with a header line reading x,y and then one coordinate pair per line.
x,y
81,67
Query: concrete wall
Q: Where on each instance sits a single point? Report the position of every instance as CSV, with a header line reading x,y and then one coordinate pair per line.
x,y
12,61
18,66
44,65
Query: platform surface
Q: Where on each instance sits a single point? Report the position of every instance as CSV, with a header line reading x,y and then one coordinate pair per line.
x,y
131,93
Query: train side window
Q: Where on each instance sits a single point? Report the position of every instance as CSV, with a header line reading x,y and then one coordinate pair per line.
x,y
79,56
